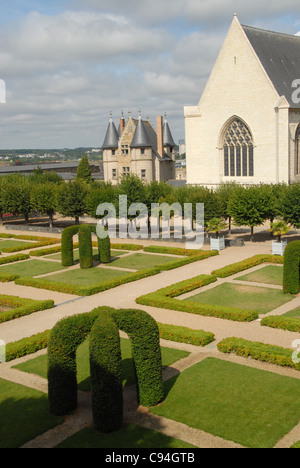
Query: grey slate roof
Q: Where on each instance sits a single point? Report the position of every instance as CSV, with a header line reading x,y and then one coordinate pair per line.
x,y
280,56
167,136
141,138
111,140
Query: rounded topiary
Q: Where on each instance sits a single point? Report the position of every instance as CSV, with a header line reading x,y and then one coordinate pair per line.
x,y
85,247
65,337
291,264
103,325
106,374
67,256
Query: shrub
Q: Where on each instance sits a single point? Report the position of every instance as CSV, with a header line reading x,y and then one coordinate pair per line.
x,y
85,247
284,323
291,277
185,335
27,346
64,340
246,264
165,298
67,257
103,325
21,307
259,351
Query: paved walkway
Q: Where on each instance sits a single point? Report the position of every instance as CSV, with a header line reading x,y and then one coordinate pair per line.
x,y
124,297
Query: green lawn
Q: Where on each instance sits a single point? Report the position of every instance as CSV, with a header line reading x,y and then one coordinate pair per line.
x,y
248,406
57,256
8,244
129,436
39,365
295,313
261,299
270,274
89,277
23,414
141,261
31,268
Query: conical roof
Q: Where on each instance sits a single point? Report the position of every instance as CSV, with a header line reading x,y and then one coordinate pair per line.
x,y
140,138
111,140
167,136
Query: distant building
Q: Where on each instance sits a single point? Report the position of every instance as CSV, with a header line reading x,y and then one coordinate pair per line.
x,y
246,127
67,170
135,148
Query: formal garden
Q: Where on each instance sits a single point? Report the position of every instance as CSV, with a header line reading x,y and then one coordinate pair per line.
x,y
107,352
200,365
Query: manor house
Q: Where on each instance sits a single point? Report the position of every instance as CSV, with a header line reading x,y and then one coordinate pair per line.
x,y
135,148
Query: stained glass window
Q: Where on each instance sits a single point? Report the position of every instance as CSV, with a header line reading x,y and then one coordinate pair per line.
x,y
238,150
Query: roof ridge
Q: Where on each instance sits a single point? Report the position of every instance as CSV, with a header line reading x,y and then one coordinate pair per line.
x,y
271,31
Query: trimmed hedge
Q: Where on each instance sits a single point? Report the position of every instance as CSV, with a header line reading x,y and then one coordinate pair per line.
x,y
65,337
165,298
246,264
43,283
67,257
284,323
103,325
258,351
185,335
39,242
21,307
85,247
7,277
25,346
291,276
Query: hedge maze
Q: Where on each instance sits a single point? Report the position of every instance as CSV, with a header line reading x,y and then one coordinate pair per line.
x,y
84,232
103,325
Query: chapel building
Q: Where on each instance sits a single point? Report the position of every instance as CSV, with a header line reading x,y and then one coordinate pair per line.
x,y
246,126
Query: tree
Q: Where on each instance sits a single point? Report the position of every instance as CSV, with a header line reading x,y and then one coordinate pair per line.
x,y
279,228
133,187
290,205
84,172
16,196
224,192
71,199
215,225
44,199
249,207
100,192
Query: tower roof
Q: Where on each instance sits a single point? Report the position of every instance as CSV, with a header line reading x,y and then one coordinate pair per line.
x,y
140,138
111,140
167,136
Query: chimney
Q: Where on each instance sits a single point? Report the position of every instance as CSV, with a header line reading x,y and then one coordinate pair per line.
x,y
160,145
122,125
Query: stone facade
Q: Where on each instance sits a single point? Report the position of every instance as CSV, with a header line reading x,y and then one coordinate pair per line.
x,y
137,149
241,93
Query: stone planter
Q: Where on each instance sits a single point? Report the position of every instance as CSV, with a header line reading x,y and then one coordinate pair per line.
x,y
217,243
278,247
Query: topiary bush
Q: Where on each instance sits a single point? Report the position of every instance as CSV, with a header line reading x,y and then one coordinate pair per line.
x,y
64,340
103,325
291,264
67,257
85,247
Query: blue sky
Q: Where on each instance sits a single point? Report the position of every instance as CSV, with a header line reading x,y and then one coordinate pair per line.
x,y
68,63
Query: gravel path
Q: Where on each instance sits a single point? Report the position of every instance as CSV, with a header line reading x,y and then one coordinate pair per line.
x,y
124,297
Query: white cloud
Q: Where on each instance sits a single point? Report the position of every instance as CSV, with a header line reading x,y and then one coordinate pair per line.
x,y
65,72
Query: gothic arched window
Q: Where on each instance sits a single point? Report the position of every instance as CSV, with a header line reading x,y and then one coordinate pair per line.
x,y
297,151
238,150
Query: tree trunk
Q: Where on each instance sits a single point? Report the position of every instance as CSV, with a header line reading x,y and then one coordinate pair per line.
x,y
51,220
252,233
77,220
